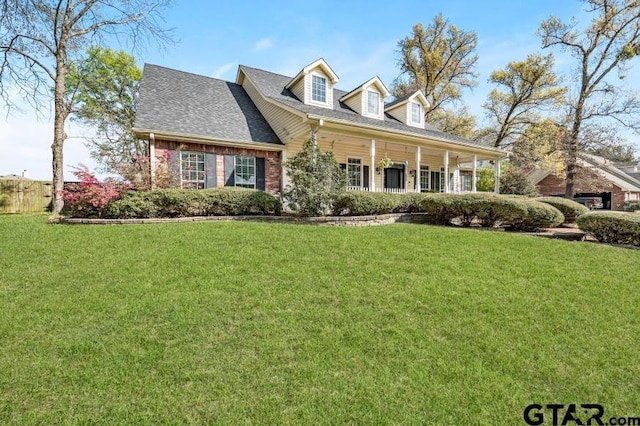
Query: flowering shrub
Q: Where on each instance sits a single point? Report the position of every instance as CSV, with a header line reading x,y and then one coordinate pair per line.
x,y
137,171
90,197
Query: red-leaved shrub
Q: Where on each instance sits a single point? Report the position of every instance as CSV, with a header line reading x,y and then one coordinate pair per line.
x,y
90,197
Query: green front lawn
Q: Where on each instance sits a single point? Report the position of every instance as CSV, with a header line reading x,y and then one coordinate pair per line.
x,y
289,324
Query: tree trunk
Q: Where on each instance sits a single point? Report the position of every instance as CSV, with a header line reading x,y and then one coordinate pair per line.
x,y
572,151
60,116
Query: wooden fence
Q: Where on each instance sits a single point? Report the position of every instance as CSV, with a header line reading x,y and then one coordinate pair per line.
x,y
24,196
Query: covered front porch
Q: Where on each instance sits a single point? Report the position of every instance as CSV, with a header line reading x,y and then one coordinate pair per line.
x,y
400,165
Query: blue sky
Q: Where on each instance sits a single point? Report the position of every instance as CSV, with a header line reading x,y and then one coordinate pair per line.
x,y
357,38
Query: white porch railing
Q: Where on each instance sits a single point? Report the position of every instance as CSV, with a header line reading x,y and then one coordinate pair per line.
x,y
388,190
404,191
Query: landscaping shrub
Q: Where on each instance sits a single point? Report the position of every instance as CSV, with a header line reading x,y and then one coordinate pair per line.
x,y
315,178
410,202
569,208
631,206
229,201
615,228
539,215
90,197
488,210
362,203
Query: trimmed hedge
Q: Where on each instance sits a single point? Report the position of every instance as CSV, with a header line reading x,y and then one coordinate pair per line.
x,y
629,206
228,201
569,208
486,210
614,228
363,203
489,210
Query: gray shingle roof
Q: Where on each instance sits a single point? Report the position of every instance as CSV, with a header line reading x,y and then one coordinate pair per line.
x,y
610,168
272,86
398,100
184,103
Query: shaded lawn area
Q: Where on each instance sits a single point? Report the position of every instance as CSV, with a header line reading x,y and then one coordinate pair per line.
x,y
292,324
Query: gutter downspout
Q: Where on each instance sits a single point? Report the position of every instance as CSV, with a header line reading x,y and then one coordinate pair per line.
x,y
320,124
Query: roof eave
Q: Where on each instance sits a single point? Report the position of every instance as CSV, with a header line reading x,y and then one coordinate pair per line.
x,y
502,153
183,137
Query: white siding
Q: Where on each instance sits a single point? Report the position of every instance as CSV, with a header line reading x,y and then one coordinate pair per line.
x,y
400,113
355,103
298,89
285,124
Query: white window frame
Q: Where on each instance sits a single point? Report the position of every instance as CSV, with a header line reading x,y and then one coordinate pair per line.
x,y
360,164
197,178
368,103
440,180
411,113
245,184
427,169
326,89
466,182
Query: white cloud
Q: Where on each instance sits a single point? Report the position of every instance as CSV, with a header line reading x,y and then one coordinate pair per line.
x,y
263,44
222,70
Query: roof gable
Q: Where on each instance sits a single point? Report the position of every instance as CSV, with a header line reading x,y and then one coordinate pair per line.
x,y
416,96
375,81
178,102
320,63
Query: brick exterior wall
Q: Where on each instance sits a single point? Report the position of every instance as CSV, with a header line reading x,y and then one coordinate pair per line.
x,y
553,185
273,160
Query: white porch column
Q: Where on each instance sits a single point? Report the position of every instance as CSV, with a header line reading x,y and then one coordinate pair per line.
x,y
152,160
497,172
446,172
372,166
417,176
474,176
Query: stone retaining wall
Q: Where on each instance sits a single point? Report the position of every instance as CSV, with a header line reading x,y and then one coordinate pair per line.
x,y
382,219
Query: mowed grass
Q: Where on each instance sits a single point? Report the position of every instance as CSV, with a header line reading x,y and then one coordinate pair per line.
x,y
254,323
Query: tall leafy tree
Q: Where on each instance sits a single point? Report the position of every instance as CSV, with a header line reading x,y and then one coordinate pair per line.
x,y
607,44
525,89
540,147
458,122
39,39
439,60
102,88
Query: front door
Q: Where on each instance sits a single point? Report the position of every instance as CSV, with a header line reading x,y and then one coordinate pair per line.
x,y
394,177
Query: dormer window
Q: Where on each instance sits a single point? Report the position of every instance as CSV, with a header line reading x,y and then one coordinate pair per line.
x,y
318,89
416,113
373,103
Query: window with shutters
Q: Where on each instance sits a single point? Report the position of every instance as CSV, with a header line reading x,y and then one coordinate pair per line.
x,y
245,172
192,175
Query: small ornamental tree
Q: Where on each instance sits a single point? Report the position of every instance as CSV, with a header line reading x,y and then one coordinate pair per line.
x,y
90,197
514,181
315,178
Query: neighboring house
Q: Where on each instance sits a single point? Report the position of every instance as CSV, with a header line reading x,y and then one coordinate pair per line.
x,y
218,133
599,177
632,168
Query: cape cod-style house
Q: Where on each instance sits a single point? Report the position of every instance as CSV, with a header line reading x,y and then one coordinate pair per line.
x,y
219,133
